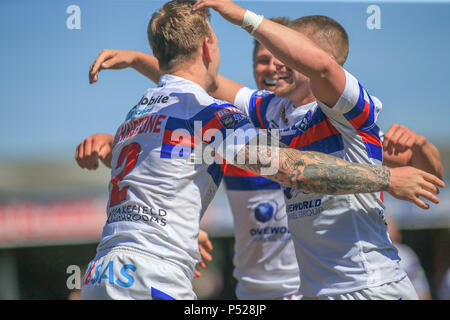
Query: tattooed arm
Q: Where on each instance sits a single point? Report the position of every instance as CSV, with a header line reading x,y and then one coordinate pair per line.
x,y
317,172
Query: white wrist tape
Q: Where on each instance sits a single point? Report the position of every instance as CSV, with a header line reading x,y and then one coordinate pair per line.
x,y
251,19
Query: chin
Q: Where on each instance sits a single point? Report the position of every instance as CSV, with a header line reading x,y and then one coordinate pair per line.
x,y
270,88
279,92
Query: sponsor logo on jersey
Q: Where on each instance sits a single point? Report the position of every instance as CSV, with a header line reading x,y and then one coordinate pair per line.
x,y
101,272
263,213
149,103
134,213
230,117
304,209
154,100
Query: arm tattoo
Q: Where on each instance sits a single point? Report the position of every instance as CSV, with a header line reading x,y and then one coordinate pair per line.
x,y
316,172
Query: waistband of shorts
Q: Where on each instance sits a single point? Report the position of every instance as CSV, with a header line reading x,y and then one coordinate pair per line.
x,y
133,250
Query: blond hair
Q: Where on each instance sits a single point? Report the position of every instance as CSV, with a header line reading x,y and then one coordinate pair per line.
x,y
175,33
327,33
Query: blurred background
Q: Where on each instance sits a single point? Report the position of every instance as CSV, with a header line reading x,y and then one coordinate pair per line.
x,y
52,212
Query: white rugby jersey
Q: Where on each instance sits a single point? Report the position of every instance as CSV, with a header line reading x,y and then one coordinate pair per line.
x,y
163,174
264,258
341,242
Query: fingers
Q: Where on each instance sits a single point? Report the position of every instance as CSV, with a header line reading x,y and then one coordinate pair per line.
x,y
428,190
430,187
110,62
204,245
411,184
87,153
392,139
199,5
78,153
205,254
428,196
421,204
96,66
104,151
400,138
433,179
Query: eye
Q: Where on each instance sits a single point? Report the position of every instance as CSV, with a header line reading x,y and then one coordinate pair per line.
x,y
263,61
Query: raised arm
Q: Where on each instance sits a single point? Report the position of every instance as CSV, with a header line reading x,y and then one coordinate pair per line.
x,y
145,63
148,65
292,48
402,146
321,173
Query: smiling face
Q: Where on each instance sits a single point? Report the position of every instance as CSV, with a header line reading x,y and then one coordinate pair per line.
x,y
291,84
264,70
330,36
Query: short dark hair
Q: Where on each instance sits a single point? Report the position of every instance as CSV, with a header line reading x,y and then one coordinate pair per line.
x,y
327,33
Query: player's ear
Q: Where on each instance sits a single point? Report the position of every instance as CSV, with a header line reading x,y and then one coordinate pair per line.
x,y
206,50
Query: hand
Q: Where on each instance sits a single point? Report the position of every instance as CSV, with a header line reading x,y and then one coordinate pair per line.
x,y
97,146
408,183
204,245
110,59
226,8
399,139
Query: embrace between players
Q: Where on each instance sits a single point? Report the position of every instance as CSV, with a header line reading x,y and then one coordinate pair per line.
x,y
330,155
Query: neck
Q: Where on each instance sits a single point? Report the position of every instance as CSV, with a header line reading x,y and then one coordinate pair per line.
x,y
191,71
301,102
303,96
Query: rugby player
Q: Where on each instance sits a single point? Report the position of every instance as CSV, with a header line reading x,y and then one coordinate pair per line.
x,y
341,242
145,171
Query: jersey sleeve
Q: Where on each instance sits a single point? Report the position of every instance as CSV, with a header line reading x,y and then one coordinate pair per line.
x,y
355,107
355,115
254,104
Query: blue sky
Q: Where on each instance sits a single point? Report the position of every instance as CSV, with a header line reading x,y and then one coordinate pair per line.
x,y
48,106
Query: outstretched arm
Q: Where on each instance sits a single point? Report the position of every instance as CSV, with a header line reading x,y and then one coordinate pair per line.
x,y
120,59
404,147
292,48
321,173
148,65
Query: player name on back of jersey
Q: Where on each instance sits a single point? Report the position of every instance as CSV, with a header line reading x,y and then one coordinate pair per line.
x,y
144,125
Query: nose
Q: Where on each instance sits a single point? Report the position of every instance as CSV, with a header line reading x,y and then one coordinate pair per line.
x,y
271,67
278,64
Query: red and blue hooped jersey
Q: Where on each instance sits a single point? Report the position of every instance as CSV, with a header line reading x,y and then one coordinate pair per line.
x,y
341,242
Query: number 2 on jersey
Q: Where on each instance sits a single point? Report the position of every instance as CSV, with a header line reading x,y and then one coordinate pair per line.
x,y
129,153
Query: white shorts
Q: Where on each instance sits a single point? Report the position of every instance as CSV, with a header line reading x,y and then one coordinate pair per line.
x,y
397,290
128,273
